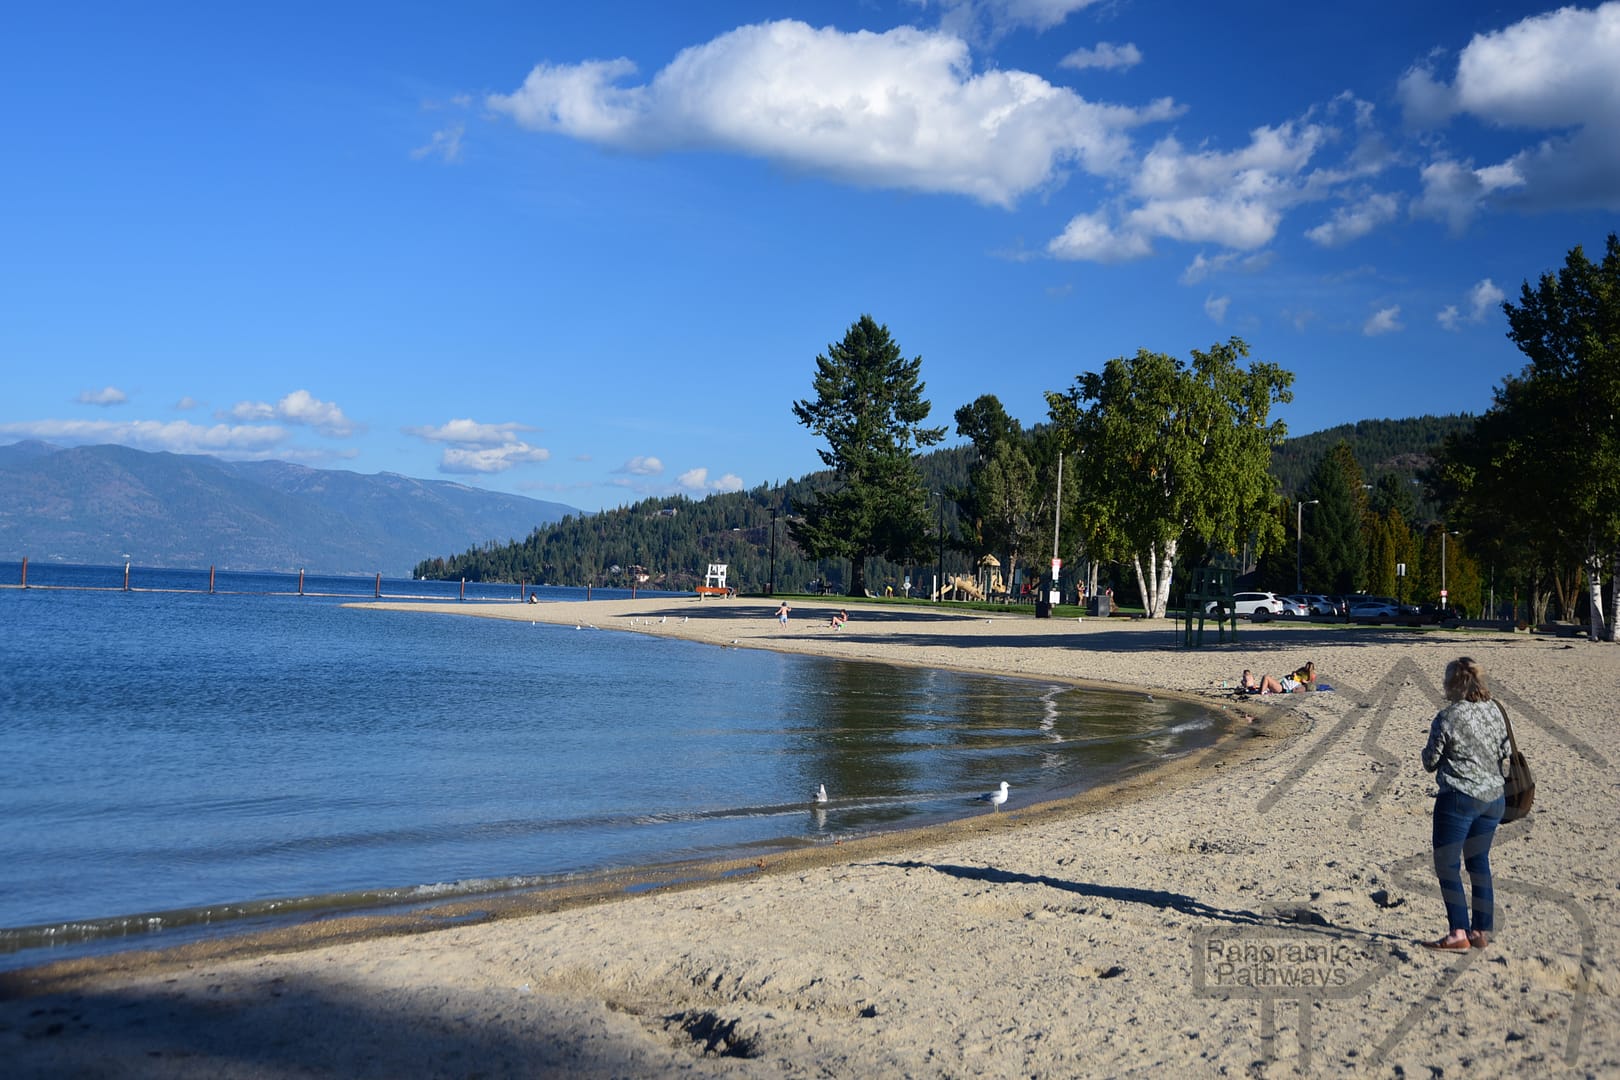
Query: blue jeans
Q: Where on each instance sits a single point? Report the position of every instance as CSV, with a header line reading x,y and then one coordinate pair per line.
x,y
1464,826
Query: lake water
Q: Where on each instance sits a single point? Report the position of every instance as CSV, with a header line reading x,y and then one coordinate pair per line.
x,y
179,762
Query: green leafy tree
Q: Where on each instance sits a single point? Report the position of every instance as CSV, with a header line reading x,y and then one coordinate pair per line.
x,y
870,410
1167,449
1335,556
1550,440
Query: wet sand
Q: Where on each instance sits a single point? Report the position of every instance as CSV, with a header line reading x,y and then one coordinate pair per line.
x,y
1253,911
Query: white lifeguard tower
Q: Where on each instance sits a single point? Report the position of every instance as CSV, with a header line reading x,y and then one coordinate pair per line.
x,y
714,582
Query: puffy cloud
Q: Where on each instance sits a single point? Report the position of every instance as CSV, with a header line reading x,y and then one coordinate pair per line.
x,y
1235,199
470,433
1105,55
490,459
1383,321
899,109
481,448
1091,237
187,403
1215,307
1455,191
698,480
1483,298
298,407
1352,222
107,395
1553,73
177,436
642,466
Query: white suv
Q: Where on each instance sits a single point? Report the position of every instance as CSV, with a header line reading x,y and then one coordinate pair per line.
x,y
1256,605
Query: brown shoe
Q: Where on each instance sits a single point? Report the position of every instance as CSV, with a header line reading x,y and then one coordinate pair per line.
x,y
1478,939
1447,944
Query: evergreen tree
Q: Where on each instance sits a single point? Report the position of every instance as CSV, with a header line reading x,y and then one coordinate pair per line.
x,y
1550,440
870,409
1335,555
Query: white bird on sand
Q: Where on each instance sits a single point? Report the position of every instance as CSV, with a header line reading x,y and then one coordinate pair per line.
x,y
821,793
995,798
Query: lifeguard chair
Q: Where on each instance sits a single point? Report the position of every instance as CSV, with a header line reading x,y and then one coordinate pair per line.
x,y
714,582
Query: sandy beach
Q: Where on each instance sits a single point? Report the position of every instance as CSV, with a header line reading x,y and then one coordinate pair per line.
x,y
1253,912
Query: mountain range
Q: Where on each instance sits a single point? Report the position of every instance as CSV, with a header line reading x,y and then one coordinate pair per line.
x,y
97,504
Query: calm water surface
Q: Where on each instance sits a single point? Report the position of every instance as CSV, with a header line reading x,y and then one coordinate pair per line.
x,y
177,759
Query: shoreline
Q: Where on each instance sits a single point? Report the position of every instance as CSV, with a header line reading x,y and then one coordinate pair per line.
x,y
1053,940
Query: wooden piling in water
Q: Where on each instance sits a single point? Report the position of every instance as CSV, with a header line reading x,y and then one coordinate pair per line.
x,y
300,581
378,593
210,581
25,572
463,595
126,577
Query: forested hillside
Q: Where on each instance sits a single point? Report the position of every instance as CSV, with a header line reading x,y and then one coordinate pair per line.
x,y
668,543
672,540
1402,447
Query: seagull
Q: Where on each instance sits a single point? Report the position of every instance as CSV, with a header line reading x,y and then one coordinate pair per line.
x,y
995,798
821,793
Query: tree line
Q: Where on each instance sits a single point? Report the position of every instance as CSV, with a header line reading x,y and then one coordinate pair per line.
x,y
1155,465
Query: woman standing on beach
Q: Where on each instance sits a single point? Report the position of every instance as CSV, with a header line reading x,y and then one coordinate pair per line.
x,y
1467,750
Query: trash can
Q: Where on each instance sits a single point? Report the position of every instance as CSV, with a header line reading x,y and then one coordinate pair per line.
x,y
1043,608
1099,606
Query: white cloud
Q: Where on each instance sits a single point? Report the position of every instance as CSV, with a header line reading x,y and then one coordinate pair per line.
x,y
490,459
1483,298
1552,73
177,436
107,395
988,20
445,144
642,466
470,433
901,109
1383,321
1105,55
1235,199
1353,222
1206,266
1091,237
698,480
1455,191
1215,307
187,403
298,407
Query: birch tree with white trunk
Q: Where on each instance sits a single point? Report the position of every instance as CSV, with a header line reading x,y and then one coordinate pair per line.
x,y
1164,449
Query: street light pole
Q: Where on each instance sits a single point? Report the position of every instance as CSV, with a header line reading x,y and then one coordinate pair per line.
x,y
939,573
770,590
1299,543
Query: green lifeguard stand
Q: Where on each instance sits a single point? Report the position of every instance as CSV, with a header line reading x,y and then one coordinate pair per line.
x,y
1210,584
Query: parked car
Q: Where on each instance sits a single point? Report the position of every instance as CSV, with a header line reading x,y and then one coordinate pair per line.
x,y
1318,604
1370,607
1294,608
1256,605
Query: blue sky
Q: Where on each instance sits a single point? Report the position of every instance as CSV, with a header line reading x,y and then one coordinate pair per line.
x,y
591,255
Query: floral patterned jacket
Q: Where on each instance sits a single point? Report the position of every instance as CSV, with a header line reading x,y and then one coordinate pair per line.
x,y
1468,749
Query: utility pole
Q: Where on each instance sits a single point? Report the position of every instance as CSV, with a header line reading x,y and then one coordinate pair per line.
x,y
1299,543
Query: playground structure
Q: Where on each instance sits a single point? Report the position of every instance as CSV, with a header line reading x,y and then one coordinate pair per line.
x,y
714,583
959,586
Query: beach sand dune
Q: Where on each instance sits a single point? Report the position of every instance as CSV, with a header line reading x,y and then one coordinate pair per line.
x,y
1255,912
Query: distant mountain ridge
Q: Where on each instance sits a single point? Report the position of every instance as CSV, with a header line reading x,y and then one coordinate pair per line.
x,y
94,504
